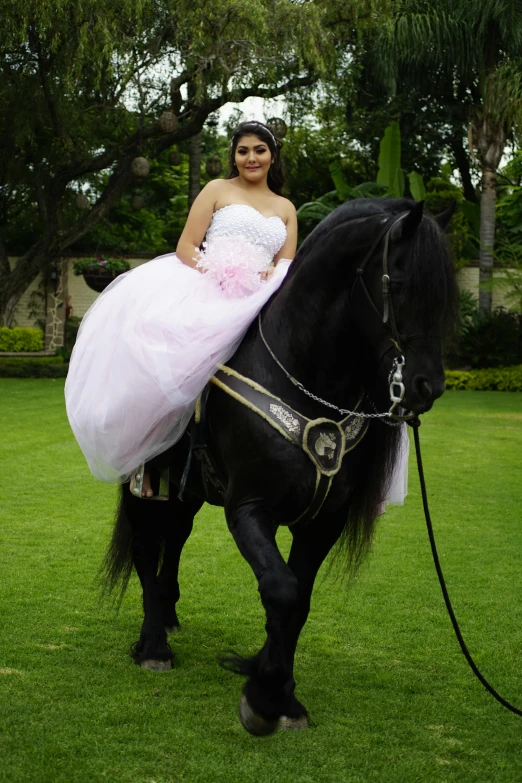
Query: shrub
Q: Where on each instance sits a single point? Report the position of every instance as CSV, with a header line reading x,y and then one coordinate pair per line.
x,y
21,339
72,325
489,339
41,367
490,379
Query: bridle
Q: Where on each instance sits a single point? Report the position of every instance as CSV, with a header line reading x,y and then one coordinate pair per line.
x,y
388,314
387,317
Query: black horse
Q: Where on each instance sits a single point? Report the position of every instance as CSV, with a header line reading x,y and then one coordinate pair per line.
x,y
371,285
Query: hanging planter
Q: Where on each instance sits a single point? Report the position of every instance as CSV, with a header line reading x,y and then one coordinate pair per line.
x,y
168,122
278,126
214,167
99,272
174,157
140,167
137,202
81,201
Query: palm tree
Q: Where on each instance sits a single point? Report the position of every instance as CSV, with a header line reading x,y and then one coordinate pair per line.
x,y
476,47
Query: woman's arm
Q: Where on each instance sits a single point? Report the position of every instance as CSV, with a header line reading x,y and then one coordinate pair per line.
x,y
198,221
290,245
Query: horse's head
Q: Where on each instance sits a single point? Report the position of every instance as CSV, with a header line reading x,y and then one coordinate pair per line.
x,y
372,283
404,299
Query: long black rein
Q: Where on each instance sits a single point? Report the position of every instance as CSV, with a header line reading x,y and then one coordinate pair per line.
x,y
388,318
415,423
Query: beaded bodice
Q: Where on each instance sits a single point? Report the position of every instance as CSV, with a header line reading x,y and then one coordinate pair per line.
x,y
240,221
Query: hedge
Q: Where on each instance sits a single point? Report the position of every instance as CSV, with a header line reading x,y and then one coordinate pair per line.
x,y
494,379
44,367
491,379
21,339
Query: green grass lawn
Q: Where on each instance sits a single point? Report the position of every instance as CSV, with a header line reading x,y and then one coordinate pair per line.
x,y
390,696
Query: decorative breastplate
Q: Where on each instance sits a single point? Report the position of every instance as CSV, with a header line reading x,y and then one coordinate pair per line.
x,y
323,440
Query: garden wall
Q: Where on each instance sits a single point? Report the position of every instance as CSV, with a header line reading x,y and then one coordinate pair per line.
x,y
468,280
31,309
34,306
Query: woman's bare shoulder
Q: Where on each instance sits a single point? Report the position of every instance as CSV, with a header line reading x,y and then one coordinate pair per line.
x,y
217,186
286,208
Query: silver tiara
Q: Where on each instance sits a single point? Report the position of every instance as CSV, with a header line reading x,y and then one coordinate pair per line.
x,y
255,122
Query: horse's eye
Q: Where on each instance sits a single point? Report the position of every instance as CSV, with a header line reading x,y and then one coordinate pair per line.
x,y
397,283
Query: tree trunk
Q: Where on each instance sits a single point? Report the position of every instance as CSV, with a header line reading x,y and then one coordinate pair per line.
x,y
194,168
489,136
7,310
462,162
14,282
488,201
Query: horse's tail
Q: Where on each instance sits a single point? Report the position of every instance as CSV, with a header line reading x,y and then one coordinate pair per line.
x,y
116,568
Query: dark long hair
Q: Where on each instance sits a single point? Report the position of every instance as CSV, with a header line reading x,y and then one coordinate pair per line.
x,y
276,177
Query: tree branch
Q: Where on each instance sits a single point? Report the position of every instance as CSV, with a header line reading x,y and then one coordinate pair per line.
x,y
43,67
241,93
5,269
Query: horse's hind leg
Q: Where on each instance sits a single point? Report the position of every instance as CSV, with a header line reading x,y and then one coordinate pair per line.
x,y
175,535
157,526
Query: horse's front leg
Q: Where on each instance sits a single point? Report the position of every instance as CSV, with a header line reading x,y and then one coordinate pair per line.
x,y
266,693
312,541
268,699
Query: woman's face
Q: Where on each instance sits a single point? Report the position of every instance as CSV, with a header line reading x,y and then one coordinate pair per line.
x,y
252,158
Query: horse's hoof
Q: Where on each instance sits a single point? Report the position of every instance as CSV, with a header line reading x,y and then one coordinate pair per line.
x,y
171,629
296,724
156,666
253,722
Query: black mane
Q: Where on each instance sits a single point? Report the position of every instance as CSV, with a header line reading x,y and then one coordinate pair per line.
x,y
429,277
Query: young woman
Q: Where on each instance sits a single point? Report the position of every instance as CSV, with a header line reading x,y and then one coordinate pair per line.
x,y
152,340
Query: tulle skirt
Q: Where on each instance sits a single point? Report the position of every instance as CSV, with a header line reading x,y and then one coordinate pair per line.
x,y
144,352
398,486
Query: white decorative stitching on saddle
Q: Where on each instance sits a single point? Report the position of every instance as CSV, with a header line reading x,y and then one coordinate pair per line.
x,y
286,418
325,445
353,428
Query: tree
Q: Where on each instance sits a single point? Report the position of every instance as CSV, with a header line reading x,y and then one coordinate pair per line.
x,y
84,90
475,47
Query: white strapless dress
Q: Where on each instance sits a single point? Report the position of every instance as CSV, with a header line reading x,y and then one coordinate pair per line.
x,y
153,339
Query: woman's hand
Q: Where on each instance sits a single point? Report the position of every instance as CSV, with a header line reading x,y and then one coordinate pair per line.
x,y
266,273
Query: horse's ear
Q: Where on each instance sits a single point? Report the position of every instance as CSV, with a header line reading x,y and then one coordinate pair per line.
x,y
406,227
444,218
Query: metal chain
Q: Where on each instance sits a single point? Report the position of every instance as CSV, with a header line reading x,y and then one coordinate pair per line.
x,y
340,410
300,386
